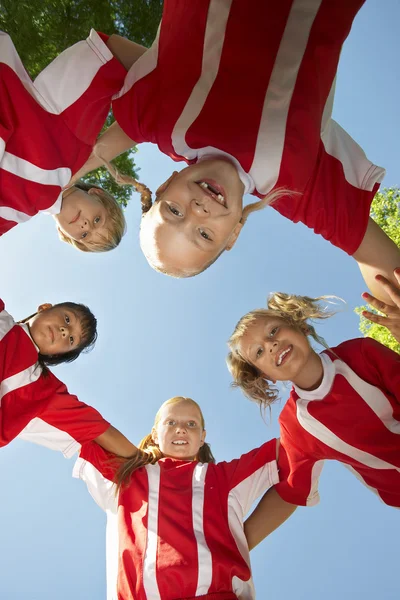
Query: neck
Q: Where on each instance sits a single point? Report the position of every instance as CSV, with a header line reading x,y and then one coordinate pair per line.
x,y
68,191
311,375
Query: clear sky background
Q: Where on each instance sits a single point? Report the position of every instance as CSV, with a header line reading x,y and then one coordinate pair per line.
x,y
160,337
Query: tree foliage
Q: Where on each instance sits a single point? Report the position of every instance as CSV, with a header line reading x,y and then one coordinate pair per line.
x,y
385,210
41,29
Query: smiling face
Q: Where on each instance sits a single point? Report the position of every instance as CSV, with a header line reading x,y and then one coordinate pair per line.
x,y
83,217
196,216
281,352
179,430
55,330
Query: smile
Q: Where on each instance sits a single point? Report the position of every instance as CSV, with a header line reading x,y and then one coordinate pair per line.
x,y
51,334
74,220
283,356
179,442
214,191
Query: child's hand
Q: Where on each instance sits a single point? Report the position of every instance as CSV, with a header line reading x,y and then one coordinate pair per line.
x,y
392,318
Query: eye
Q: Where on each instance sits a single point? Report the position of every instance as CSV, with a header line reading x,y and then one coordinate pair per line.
x,y
259,352
84,235
67,319
175,211
205,235
191,423
171,422
96,220
273,331
71,340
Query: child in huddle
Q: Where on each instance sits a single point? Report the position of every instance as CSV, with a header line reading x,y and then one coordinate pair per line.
x,y
174,516
332,394
47,131
34,404
278,142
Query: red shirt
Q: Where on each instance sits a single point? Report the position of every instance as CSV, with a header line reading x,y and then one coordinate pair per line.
x,y
177,530
37,408
254,82
353,417
48,127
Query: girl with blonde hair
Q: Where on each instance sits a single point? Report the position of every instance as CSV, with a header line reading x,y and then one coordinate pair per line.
x,y
344,404
174,515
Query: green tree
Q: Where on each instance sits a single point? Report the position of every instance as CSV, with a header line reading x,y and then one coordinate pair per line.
x,y
385,210
41,29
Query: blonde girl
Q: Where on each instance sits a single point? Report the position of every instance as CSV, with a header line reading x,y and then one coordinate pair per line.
x,y
174,515
344,404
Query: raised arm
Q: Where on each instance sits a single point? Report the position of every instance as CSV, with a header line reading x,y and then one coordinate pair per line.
x,y
391,316
115,442
268,515
377,255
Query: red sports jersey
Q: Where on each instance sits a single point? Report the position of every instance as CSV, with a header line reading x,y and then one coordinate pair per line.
x,y
254,82
353,417
48,127
34,407
177,530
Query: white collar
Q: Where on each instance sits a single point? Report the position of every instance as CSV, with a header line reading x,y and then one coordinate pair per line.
x,y
325,386
25,327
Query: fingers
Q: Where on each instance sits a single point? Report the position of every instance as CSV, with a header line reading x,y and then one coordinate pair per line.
x,y
378,304
374,318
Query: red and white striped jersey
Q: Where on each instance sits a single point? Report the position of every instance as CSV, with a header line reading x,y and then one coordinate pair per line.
x,y
48,127
353,417
35,407
177,530
254,82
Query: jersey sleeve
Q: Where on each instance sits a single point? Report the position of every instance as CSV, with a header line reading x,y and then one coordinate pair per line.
x,y
97,468
384,364
252,474
62,422
298,474
80,84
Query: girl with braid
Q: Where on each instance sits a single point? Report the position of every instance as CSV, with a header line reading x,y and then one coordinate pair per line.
x,y
244,96
344,404
174,515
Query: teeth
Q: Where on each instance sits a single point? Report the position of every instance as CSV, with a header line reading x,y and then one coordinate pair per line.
x,y
282,356
207,187
180,442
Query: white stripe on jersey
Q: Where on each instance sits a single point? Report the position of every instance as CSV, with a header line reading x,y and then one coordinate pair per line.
x,y
372,396
271,134
27,170
150,557
21,379
204,578
325,435
39,432
313,496
360,173
6,324
214,36
16,216
10,57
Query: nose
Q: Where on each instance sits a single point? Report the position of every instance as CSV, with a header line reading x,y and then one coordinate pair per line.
x,y
181,429
85,224
64,331
273,346
201,206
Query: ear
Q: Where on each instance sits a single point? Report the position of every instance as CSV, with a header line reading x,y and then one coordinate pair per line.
x,y
154,435
94,192
45,306
203,437
234,236
164,185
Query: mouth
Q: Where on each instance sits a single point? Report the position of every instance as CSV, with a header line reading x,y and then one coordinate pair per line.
x,y
74,220
283,356
51,332
180,443
214,190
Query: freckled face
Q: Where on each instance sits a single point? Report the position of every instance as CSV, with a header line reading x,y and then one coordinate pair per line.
x,y
179,432
56,330
83,217
281,352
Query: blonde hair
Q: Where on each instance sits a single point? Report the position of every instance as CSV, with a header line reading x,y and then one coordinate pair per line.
x,y
116,223
149,453
150,250
297,311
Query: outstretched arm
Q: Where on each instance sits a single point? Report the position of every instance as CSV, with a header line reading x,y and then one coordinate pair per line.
x,y
377,255
391,316
115,442
269,514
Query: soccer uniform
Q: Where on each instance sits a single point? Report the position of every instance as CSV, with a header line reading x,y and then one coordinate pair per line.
x,y
254,82
35,407
48,127
353,417
177,530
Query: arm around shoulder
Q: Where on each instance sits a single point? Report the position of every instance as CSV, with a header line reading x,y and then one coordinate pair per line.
x,y
115,442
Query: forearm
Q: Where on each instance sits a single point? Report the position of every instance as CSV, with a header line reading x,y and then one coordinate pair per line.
x,y
269,514
113,441
109,145
377,255
124,50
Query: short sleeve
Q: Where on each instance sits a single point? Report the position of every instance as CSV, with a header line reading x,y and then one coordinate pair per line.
x,y
298,475
252,474
385,364
97,468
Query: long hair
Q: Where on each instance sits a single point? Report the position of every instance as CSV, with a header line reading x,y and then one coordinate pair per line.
x,y
149,452
297,311
88,323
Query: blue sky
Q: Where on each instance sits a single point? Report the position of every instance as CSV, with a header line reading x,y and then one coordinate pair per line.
x,y
160,337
